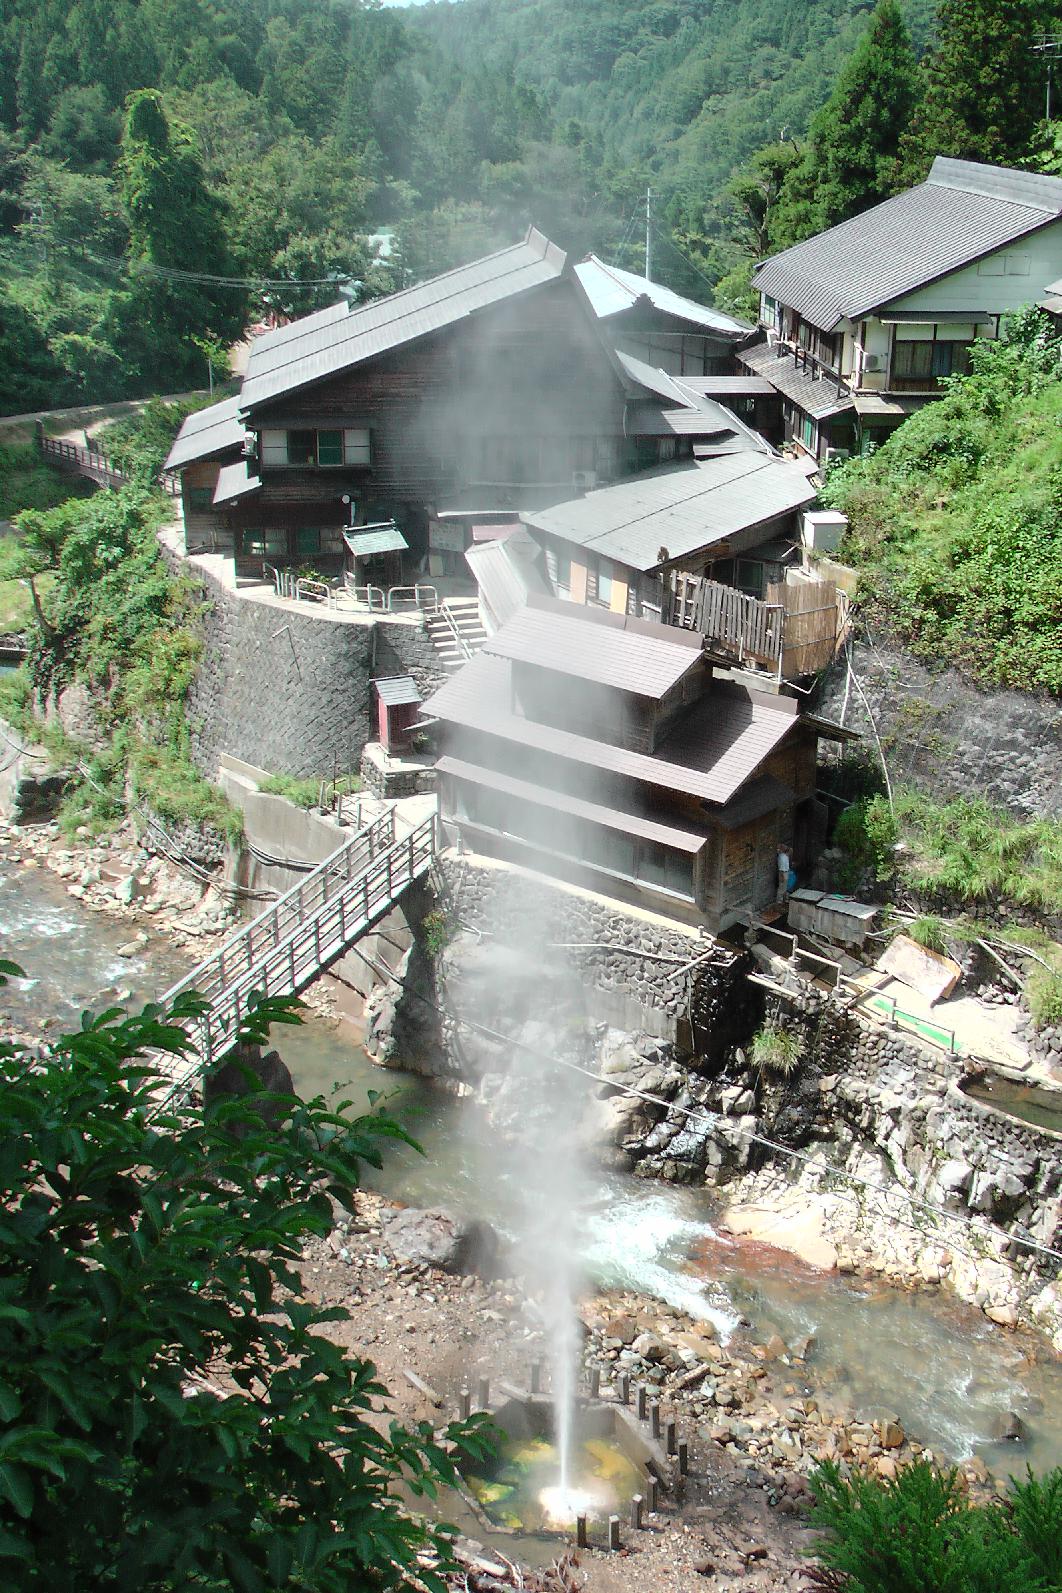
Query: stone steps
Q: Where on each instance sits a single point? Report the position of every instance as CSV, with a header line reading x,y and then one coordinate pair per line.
x,y
464,612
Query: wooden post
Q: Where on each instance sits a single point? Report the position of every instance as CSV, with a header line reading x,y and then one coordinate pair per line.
x,y
580,1531
652,1493
536,1377
636,1511
654,1419
643,1402
683,1458
670,1438
483,1393
595,1382
465,1404
613,1532
625,1388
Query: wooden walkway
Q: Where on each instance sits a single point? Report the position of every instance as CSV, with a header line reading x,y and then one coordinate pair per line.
x,y
282,950
93,464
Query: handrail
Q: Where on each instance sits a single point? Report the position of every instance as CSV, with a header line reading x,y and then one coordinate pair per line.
x,y
418,601
93,462
456,633
306,587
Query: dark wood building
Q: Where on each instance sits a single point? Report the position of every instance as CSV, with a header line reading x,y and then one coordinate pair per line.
x,y
601,749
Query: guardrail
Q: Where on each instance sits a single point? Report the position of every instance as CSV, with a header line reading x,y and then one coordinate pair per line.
x,y
94,464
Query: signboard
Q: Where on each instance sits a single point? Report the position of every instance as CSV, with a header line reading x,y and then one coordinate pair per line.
x,y
447,536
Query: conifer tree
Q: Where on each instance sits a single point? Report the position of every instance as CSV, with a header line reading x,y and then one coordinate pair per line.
x,y
982,85
853,142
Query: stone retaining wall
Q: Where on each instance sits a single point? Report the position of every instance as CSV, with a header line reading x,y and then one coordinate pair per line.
x,y
289,689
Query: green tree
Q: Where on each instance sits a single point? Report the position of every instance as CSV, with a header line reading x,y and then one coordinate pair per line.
x,y
174,1417
853,143
982,86
754,193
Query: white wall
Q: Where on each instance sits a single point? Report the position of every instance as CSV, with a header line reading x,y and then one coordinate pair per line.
x,y
978,288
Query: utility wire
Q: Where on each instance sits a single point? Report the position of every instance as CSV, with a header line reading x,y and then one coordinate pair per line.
x,y
176,274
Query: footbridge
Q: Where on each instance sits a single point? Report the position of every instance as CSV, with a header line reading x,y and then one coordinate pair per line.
x,y
92,463
282,950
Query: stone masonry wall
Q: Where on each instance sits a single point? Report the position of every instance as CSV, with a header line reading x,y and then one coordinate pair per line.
x,y
940,731
289,690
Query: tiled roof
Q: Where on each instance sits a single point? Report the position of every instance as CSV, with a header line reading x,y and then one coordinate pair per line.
x,y
817,396
683,840
207,432
321,345
397,691
609,649
507,572
235,481
683,508
611,291
963,211
719,746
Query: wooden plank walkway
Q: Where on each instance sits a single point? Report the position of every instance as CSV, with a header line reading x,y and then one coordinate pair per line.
x,y
282,950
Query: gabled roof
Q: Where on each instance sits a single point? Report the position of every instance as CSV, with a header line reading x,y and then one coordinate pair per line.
x,y
235,481
694,414
507,572
321,345
962,212
722,742
682,509
611,291
207,432
630,655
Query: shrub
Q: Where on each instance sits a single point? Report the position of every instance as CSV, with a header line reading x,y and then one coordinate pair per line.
x,y
306,792
777,1050
438,932
928,932
866,833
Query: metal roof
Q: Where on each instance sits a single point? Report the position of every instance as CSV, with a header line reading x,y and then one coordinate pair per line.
x,y
507,572
963,210
691,841
760,796
729,386
379,539
611,291
397,691
682,509
207,432
321,345
815,395
719,745
608,649
235,481
695,415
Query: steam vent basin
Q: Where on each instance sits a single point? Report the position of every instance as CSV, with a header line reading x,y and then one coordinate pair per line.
x,y
611,752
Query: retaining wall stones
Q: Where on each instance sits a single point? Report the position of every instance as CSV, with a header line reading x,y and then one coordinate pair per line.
x,y
940,731
288,689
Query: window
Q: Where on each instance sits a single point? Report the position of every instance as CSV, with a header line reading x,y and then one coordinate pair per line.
x,y
302,447
357,449
563,578
199,499
604,582
307,541
265,544
329,447
922,364
750,577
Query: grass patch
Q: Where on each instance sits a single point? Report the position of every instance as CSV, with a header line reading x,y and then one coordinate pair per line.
x,y
929,933
305,791
26,482
777,1050
973,852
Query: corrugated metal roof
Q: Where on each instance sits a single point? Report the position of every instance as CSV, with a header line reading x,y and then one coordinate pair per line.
x,y
235,481
572,641
691,841
383,539
816,395
206,432
611,291
507,573
397,691
683,508
319,346
721,744
761,796
963,211
729,386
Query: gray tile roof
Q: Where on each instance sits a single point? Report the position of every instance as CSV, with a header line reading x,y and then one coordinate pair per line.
x,y
718,747
817,396
683,840
397,691
962,211
207,432
683,508
235,481
318,346
609,649
612,291
729,386
507,572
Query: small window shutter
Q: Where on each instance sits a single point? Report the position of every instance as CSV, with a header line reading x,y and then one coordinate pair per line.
x,y
274,448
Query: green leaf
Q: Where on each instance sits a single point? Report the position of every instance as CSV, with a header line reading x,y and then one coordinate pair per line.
x,y
16,1488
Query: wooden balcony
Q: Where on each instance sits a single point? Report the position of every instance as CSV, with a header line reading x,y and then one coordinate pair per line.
x,y
795,632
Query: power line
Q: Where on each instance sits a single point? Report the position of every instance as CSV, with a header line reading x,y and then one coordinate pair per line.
x,y
175,274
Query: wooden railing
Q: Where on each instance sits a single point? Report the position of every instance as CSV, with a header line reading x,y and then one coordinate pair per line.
x,y
94,464
795,632
285,947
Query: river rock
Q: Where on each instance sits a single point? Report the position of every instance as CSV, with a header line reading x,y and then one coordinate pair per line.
x,y
1002,1315
1008,1427
438,1238
892,1435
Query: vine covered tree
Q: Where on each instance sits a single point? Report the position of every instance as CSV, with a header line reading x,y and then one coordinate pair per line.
x,y
982,85
853,143
174,1417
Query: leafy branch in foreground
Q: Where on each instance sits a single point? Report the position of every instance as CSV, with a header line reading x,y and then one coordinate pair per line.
x,y
174,1416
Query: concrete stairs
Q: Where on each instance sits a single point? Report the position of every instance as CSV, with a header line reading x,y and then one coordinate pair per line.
x,y
456,631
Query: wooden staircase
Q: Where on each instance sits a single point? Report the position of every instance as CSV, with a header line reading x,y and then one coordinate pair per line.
x,y
456,631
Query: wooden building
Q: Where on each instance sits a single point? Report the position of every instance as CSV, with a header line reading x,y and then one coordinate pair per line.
x,y
657,325
455,403
601,749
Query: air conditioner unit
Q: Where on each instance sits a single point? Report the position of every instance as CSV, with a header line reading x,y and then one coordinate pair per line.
x,y
583,480
872,362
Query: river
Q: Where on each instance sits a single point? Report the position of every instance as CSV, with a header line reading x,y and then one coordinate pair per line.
x,y
936,1364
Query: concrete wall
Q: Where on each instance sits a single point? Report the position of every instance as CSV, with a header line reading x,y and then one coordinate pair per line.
x,y
287,689
943,733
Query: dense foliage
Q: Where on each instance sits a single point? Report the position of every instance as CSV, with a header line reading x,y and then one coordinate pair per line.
x,y
957,520
174,1415
919,1532
115,620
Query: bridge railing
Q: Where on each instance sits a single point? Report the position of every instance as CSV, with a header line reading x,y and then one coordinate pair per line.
x,y
92,462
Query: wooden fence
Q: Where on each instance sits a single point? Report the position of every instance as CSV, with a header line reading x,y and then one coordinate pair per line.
x,y
794,632
93,464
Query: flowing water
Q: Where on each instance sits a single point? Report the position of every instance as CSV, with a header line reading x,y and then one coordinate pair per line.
x,y
937,1365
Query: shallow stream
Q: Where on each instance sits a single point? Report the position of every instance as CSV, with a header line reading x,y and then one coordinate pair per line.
x,y
937,1365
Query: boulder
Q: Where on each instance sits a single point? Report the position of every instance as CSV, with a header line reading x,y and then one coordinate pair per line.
x,y
439,1238
1008,1427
